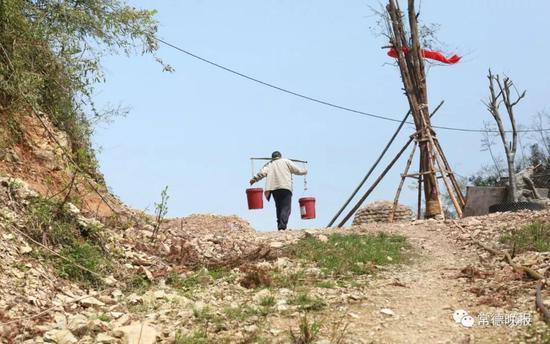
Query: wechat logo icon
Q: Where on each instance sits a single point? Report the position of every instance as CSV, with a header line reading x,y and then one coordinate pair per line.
x,y
462,317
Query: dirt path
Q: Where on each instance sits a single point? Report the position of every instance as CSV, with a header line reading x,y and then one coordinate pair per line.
x,y
424,305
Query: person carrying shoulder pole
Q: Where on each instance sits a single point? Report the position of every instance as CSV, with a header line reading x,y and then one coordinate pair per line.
x,y
278,173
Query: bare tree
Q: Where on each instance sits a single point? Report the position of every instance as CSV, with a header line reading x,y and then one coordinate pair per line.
x,y
500,94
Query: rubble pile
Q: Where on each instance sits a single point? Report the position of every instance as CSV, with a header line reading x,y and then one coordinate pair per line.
x,y
195,241
176,297
381,212
493,280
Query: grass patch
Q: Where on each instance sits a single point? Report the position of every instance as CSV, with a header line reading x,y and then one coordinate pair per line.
x,y
267,301
536,333
240,313
307,332
86,255
307,303
288,280
198,337
139,284
21,267
204,314
104,317
219,273
532,237
327,285
201,278
352,253
51,223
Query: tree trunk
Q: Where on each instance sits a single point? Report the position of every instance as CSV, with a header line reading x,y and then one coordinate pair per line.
x,y
512,189
411,66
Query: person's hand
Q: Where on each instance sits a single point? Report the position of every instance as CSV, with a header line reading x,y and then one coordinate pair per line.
x,y
252,181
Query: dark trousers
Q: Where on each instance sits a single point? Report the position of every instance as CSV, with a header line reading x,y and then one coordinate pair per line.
x,y
283,203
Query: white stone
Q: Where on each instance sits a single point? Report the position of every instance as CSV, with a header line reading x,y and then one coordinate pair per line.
x,y
72,208
159,294
322,238
25,249
387,311
77,324
134,299
60,337
281,262
116,315
137,333
117,293
251,329
91,301
60,321
261,295
199,306
110,280
103,338
276,244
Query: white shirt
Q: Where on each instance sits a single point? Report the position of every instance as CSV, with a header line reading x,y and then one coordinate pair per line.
x,y
279,174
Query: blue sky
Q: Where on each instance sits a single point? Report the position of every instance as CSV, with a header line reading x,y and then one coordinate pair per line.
x,y
195,130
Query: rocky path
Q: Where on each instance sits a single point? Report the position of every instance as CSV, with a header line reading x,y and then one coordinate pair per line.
x,y
420,298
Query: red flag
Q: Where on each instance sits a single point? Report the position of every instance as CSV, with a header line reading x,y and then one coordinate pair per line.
x,y
433,55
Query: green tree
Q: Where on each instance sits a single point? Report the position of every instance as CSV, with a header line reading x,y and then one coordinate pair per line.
x,y
50,54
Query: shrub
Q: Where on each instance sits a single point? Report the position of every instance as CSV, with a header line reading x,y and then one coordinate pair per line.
x,y
306,302
49,222
50,54
307,332
85,255
532,237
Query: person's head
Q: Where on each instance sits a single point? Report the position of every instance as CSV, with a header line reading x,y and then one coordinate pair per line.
x,y
276,155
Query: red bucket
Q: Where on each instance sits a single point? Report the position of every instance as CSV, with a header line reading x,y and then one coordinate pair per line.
x,y
307,207
255,198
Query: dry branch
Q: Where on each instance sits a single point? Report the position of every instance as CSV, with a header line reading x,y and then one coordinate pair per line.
x,y
539,303
506,256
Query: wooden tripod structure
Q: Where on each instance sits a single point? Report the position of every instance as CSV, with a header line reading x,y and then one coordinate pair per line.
x,y
433,164
432,159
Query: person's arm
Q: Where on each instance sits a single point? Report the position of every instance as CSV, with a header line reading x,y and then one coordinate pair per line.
x,y
295,169
260,175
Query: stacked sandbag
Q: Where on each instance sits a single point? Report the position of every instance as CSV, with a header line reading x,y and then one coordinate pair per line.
x,y
380,212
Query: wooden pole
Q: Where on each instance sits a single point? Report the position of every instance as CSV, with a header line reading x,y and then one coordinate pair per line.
x,y
419,206
410,140
376,182
403,177
461,198
371,169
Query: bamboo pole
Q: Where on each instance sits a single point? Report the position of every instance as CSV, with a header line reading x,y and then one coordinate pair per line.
x,y
452,176
450,189
403,177
372,168
419,205
376,182
390,142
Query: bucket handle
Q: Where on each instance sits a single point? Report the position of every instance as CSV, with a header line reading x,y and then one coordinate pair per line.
x,y
305,178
